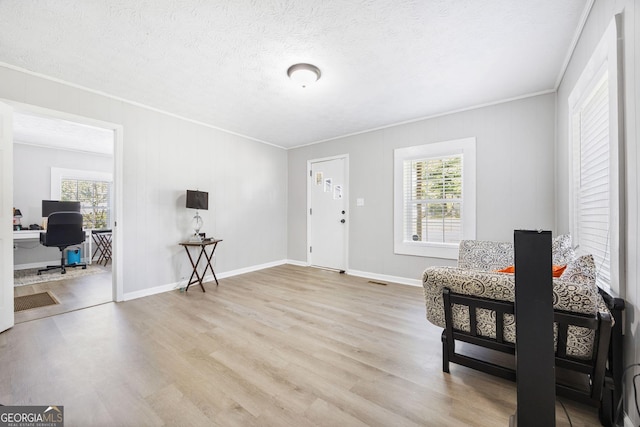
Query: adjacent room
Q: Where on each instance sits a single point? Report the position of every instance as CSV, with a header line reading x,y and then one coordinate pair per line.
x,y
57,162
320,212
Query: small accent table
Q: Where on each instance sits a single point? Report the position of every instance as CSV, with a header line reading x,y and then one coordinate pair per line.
x,y
103,238
203,246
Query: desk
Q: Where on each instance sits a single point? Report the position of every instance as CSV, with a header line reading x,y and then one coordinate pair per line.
x,y
203,246
35,235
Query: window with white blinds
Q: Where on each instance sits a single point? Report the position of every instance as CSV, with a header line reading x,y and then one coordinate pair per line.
x,y
596,199
591,178
434,201
93,189
94,197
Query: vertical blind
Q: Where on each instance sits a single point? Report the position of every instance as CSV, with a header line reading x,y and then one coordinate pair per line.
x,y
592,179
433,199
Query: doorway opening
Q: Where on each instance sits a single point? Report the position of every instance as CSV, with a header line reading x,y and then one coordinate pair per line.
x,y
62,157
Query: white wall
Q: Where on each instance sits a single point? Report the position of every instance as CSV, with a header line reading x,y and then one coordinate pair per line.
x,y
163,157
515,180
32,184
600,17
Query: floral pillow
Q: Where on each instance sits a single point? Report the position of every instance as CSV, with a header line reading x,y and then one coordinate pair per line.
x,y
581,270
561,250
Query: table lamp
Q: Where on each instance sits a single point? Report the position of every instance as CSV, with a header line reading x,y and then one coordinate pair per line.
x,y
197,200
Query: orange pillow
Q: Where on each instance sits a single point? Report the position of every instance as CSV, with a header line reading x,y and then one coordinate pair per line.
x,y
556,270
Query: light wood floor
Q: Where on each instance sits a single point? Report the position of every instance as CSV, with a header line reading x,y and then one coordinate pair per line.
x,y
72,294
286,346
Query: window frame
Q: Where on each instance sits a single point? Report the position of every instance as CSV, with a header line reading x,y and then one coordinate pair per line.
x,y
606,59
58,174
465,147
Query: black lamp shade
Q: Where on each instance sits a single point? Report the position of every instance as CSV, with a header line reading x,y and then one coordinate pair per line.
x,y
197,200
17,213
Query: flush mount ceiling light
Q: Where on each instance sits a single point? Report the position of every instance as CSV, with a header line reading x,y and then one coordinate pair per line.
x,y
304,74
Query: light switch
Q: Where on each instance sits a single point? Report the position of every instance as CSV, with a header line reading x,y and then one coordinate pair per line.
x,y
360,202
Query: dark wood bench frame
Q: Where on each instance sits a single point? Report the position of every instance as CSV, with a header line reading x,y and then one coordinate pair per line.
x,y
604,368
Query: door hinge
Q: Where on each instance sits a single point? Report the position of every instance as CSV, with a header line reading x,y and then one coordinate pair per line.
x,y
310,173
310,211
310,249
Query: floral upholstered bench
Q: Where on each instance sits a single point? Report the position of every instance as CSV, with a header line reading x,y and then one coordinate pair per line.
x,y
473,303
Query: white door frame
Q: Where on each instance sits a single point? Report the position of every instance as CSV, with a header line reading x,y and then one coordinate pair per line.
x,y
118,256
7,319
346,197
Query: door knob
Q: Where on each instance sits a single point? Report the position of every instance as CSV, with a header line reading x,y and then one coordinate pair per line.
x,y
343,221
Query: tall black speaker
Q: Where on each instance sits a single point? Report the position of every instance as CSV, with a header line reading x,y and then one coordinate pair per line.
x,y
535,357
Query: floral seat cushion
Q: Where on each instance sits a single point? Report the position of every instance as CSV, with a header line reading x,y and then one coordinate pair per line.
x,y
475,276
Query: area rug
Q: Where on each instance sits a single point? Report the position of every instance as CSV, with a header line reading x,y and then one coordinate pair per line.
x,y
26,302
30,276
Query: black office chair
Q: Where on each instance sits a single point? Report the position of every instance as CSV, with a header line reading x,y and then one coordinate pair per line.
x,y
64,229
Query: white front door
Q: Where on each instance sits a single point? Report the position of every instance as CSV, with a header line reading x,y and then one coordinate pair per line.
x,y
327,212
6,217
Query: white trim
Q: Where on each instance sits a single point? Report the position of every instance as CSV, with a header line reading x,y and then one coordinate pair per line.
x,y
58,173
607,56
137,104
465,146
297,263
385,278
627,421
572,47
39,264
151,291
249,269
117,259
73,150
207,279
433,116
118,176
157,110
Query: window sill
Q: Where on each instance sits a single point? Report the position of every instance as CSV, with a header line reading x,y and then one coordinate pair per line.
x,y
427,250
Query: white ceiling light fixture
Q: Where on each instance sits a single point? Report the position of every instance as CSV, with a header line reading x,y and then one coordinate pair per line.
x,y
304,74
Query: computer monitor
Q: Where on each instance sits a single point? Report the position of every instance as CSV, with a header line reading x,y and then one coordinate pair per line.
x,y
51,206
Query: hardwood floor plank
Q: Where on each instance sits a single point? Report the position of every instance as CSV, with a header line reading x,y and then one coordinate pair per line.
x,y
278,347
72,294
323,413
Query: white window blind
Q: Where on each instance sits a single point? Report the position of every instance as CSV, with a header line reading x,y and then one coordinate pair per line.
x,y
433,199
592,178
94,197
91,188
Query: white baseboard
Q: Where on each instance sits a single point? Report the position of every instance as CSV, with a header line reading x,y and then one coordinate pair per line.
x,y
385,278
246,270
209,278
298,263
42,264
151,291
368,275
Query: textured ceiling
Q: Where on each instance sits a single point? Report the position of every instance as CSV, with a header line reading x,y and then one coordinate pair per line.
x,y
56,133
224,63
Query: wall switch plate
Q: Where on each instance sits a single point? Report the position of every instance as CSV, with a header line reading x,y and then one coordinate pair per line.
x,y
360,202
